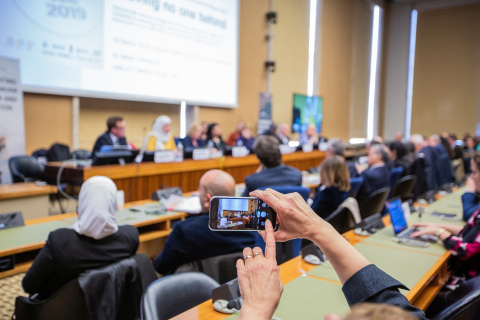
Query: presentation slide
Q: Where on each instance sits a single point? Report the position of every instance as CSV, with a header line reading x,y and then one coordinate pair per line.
x,y
146,50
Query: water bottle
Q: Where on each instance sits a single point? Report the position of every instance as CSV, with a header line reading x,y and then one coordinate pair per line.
x,y
239,142
179,155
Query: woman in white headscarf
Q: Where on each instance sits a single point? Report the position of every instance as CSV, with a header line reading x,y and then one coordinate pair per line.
x,y
93,241
160,138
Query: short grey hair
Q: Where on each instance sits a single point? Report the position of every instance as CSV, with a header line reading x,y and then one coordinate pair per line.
x,y
337,146
417,139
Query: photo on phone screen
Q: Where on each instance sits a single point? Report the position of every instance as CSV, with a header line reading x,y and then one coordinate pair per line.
x,y
241,214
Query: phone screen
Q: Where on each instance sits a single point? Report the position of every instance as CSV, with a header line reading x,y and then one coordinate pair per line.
x,y
240,214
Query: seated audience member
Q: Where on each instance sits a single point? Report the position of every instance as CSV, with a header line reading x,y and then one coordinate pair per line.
x,y
259,279
232,139
469,145
336,146
442,168
192,239
310,135
283,131
471,199
160,138
246,138
271,171
335,186
377,175
398,154
399,136
93,241
114,136
193,139
457,151
214,137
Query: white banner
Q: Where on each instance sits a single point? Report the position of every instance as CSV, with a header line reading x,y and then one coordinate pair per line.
x,y
12,125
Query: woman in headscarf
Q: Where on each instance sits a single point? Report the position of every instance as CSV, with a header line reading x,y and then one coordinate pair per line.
x,y
93,241
160,138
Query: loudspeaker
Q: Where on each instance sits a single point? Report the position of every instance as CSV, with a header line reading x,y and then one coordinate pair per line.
x,y
227,291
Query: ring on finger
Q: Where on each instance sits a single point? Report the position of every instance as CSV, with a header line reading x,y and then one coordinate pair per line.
x,y
257,253
247,257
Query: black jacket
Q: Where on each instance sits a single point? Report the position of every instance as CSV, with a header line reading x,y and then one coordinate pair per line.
x,y
66,254
105,140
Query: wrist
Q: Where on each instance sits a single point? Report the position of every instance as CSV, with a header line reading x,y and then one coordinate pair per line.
x,y
440,231
250,312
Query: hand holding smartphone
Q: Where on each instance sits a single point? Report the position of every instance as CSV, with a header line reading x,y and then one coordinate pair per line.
x,y
240,214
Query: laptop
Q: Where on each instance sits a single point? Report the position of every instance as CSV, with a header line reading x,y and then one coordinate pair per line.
x,y
399,223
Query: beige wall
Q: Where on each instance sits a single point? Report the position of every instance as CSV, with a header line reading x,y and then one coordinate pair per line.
x,y
48,119
290,52
447,71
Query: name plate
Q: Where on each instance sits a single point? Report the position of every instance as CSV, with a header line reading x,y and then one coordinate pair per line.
x,y
285,148
240,151
201,154
164,156
307,147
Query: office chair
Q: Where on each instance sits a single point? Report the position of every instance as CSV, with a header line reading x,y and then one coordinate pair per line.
x,y
394,176
171,295
342,220
289,249
58,152
81,154
119,286
462,303
221,268
355,184
404,188
374,203
25,169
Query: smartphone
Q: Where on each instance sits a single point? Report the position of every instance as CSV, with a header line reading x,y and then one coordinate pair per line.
x,y
240,214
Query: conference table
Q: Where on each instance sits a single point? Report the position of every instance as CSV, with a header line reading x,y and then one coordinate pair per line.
x,y
24,243
311,292
28,197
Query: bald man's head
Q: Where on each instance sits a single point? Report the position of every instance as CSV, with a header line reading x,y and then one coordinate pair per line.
x,y
215,183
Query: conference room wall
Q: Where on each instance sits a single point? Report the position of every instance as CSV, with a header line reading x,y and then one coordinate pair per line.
x,y
447,71
48,119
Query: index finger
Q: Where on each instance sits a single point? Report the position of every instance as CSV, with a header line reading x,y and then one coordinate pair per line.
x,y
270,248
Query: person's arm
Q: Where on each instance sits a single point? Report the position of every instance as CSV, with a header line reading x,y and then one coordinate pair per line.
x,y
297,220
36,277
469,202
173,254
442,230
461,249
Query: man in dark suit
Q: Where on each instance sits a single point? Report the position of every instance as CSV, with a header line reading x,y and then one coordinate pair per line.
x,y
114,136
377,176
192,239
271,171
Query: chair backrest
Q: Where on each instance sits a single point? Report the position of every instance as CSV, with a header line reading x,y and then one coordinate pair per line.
x,y
352,205
81,154
58,152
25,168
355,184
66,303
304,192
116,288
220,268
466,302
404,188
341,219
171,295
394,176
289,249
374,203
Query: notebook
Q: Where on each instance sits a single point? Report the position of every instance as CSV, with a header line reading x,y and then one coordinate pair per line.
x,y
399,223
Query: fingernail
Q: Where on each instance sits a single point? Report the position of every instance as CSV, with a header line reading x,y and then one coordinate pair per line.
x,y
269,222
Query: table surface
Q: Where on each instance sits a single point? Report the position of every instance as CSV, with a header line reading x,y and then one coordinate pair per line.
x,y
24,189
306,285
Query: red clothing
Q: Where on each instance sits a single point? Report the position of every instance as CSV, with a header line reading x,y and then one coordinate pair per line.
x,y
232,139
